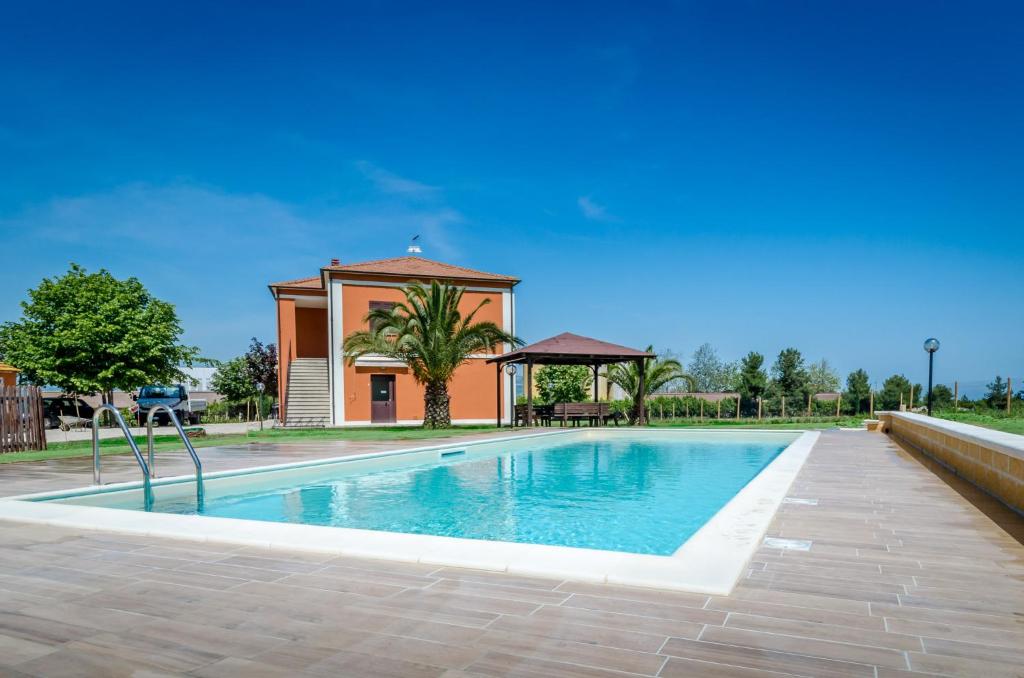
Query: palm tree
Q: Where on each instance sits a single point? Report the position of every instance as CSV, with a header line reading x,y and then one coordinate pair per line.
x,y
431,335
657,373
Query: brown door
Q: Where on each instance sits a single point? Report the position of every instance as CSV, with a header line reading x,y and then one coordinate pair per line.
x,y
382,398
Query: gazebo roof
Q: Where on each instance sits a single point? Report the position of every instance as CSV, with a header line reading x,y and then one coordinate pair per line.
x,y
571,349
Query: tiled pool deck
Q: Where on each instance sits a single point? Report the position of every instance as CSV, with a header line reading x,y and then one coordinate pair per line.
x,y
903,575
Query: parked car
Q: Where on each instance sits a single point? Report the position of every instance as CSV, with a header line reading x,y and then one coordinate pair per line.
x,y
57,406
176,397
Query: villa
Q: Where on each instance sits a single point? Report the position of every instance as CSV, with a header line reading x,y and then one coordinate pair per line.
x,y
315,314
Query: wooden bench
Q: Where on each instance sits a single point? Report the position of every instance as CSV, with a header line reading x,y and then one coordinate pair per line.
x,y
594,413
541,415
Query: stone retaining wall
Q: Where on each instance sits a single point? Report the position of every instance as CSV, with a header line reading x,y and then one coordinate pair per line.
x,y
992,460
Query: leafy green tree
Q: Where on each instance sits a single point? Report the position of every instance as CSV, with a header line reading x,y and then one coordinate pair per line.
x,y
657,373
858,389
942,397
711,373
996,394
234,381
752,381
564,383
895,390
821,378
261,364
432,336
789,376
87,332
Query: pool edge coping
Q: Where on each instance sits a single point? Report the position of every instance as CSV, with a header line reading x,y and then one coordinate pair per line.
x,y
711,561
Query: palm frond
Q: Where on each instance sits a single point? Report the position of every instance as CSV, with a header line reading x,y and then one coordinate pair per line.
x,y
428,332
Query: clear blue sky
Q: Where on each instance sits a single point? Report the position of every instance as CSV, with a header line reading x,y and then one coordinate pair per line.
x,y
846,178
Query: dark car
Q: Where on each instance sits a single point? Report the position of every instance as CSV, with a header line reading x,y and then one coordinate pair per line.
x,y
56,407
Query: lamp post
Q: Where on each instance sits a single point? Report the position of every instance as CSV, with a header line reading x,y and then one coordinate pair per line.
x,y
259,403
931,345
510,370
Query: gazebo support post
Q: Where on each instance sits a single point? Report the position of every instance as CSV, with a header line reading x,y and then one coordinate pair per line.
x,y
641,395
598,420
498,399
529,392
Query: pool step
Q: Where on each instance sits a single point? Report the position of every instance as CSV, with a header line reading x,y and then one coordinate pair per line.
x,y
309,396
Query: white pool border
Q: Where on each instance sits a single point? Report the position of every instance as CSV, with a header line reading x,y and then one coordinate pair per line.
x,y
711,561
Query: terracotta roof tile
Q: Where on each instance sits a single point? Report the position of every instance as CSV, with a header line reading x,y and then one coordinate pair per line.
x,y
418,267
308,283
568,348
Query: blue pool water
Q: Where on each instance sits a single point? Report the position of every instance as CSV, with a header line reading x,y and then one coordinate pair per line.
x,y
641,493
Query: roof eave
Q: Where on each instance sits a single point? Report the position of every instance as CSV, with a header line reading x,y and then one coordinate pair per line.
x,y
410,276
569,358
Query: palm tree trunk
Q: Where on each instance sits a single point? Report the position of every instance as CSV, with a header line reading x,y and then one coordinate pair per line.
x,y
436,410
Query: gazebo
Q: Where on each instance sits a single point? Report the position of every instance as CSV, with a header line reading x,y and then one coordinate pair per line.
x,y
570,349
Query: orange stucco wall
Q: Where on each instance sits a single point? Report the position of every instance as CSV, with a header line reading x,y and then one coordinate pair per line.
x,y
311,332
473,389
356,303
473,392
286,346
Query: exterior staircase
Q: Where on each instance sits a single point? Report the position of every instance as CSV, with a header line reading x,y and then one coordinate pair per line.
x,y
309,396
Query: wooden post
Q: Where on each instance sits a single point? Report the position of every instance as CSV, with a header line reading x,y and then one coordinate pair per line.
x,y
673,408
529,391
498,366
719,408
901,401
738,398
956,395
598,420
783,407
1009,394
702,409
642,409
808,404
759,408
839,403
911,405
871,404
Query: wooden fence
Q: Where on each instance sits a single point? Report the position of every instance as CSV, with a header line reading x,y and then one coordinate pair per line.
x,y
21,419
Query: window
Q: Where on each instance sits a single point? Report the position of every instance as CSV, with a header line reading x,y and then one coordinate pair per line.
x,y
160,392
379,305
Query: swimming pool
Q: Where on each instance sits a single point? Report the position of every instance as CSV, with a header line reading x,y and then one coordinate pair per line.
x,y
637,493
657,507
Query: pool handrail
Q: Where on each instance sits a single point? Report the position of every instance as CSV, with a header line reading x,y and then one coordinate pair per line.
x,y
150,446
107,407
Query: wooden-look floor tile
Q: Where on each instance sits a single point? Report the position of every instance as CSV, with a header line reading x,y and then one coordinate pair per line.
x,y
904,578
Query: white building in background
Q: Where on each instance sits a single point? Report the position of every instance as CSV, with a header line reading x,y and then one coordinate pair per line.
x,y
201,377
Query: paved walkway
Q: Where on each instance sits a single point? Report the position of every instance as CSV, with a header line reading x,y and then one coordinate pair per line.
x,y
55,435
903,574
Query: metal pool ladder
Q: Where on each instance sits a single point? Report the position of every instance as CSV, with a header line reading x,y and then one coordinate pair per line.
x,y
184,439
148,470
107,407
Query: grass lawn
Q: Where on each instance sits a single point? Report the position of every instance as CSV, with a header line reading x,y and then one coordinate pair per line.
x,y
109,446
779,423
1008,424
112,446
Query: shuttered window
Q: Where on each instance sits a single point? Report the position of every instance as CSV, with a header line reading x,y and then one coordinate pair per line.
x,y
383,305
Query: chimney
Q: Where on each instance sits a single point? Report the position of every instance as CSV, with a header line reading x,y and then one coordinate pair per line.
x,y
335,262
